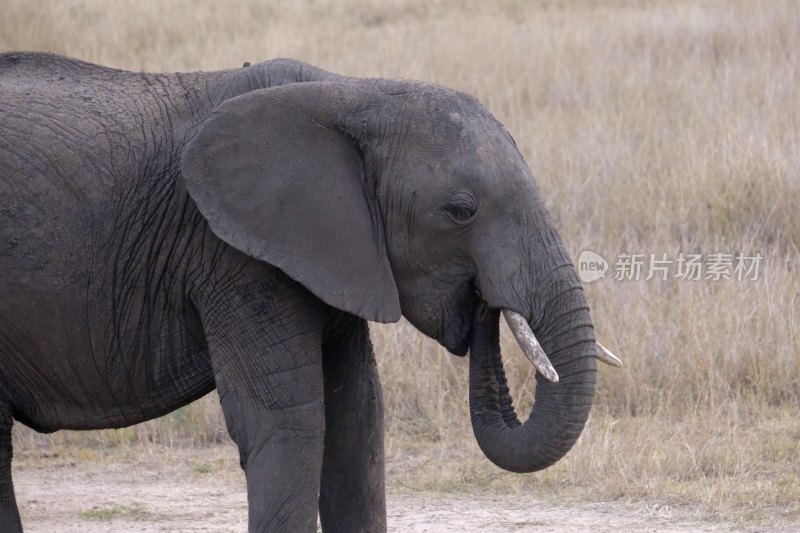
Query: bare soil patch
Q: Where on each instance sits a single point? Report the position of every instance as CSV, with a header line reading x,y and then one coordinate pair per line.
x,y
202,490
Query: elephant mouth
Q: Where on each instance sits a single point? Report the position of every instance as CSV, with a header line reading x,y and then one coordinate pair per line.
x,y
458,345
448,318
457,333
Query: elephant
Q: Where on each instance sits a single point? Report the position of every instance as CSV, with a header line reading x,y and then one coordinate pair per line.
x,y
163,235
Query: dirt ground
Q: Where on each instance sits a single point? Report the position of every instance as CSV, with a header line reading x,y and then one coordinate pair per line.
x,y
203,491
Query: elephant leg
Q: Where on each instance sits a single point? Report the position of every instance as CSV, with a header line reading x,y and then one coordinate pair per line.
x,y
9,514
266,355
352,496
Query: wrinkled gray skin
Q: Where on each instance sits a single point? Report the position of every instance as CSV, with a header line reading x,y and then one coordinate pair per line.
x,y
165,234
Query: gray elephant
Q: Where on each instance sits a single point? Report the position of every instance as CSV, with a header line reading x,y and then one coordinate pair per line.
x,y
165,234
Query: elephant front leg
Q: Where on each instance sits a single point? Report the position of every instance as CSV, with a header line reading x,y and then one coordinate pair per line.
x,y
280,450
352,497
268,371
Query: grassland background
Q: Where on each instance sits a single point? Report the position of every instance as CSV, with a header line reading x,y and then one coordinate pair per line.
x,y
652,127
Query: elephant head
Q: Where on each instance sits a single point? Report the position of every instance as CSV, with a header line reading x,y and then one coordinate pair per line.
x,y
387,197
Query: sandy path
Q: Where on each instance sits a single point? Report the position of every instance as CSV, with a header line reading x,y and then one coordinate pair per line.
x,y
204,492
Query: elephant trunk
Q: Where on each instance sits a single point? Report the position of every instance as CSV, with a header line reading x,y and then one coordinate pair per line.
x,y
560,409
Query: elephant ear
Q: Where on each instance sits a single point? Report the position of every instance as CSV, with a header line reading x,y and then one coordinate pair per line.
x,y
277,178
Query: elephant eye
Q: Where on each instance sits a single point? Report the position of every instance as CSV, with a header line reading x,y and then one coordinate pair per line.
x,y
461,207
459,213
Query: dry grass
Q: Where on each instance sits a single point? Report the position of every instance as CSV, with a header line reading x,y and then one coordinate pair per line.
x,y
653,127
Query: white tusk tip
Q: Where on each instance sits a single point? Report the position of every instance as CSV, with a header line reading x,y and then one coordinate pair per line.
x,y
551,375
607,357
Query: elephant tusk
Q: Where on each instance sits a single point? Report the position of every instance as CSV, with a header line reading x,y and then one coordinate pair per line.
x,y
530,346
607,357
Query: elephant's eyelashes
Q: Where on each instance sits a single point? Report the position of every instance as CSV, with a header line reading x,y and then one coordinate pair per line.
x,y
461,206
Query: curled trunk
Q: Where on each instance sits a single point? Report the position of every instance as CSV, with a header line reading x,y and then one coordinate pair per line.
x,y
560,409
